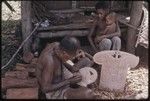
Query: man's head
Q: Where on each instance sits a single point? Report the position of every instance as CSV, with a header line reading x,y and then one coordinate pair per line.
x,y
69,46
102,8
110,18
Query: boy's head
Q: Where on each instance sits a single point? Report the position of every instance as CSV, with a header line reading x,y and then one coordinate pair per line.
x,y
102,8
110,18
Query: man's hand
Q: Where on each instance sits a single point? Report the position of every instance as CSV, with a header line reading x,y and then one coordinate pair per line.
x,y
76,78
80,54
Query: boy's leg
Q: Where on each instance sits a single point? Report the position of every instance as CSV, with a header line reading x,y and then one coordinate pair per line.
x,y
105,44
116,43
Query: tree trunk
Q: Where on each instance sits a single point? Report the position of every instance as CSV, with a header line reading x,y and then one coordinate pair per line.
x,y
135,14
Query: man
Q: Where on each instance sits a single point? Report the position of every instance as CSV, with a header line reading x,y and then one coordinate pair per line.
x,y
50,66
110,41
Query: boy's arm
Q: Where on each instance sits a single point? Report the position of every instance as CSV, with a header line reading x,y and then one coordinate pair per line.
x,y
117,33
105,31
90,36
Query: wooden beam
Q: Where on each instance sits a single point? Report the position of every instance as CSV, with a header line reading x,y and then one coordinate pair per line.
x,y
122,19
66,27
136,13
63,33
67,11
127,24
9,82
26,23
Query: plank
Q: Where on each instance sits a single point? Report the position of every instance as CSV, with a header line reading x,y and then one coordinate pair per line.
x,y
17,74
9,82
62,33
67,27
67,11
22,93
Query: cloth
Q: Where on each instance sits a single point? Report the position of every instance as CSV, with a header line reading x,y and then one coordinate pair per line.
x,y
143,31
107,44
58,94
89,75
114,69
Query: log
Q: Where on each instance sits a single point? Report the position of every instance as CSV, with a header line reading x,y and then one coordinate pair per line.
x,y
27,57
17,74
22,65
34,60
66,27
30,68
19,68
31,65
9,82
31,71
62,33
22,93
136,13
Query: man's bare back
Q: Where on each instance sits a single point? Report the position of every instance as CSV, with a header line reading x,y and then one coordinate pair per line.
x,y
48,63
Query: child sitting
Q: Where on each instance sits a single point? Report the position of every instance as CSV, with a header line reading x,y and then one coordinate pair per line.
x,y
110,26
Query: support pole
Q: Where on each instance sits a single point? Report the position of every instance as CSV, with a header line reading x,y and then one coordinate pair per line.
x,y
26,23
136,13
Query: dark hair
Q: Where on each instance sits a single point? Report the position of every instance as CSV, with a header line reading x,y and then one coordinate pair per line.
x,y
102,5
70,44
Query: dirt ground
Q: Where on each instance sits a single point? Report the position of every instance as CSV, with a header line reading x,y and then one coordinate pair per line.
x,y
137,79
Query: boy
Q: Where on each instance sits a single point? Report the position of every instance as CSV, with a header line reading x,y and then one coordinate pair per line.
x,y
110,26
108,41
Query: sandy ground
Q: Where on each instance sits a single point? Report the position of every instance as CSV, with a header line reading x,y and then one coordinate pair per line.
x,y
137,79
136,86
6,13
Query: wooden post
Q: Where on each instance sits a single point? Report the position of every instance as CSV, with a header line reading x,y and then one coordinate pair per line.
x,y
135,14
26,23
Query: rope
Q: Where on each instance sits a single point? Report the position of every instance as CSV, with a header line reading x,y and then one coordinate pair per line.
x,y
37,25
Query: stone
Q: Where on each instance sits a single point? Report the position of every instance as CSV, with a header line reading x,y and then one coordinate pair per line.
x,y
114,69
22,93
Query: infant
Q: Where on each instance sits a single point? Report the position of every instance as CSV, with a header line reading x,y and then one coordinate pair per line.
x,y
110,24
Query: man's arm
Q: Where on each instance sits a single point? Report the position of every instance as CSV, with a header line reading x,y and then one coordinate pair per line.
x,y
72,69
89,56
47,76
